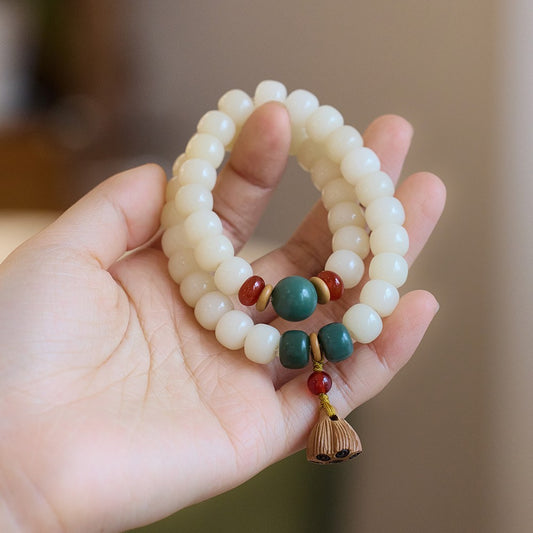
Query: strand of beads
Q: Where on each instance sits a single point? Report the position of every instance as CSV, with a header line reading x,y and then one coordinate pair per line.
x,y
363,216
355,191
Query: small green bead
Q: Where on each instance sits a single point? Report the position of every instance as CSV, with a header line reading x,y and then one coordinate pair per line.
x,y
335,341
294,298
294,348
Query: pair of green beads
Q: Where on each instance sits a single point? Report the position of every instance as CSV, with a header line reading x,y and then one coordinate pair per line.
x,y
295,345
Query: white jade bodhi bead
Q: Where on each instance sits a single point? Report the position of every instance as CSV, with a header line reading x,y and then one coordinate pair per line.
x,y
324,171
341,141
389,267
192,197
345,214
386,210
309,153
348,265
205,146
211,251
181,263
232,328
237,105
373,186
389,238
382,296
358,163
219,125
269,91
231,274
363,323
336,191
300,105
195,285
174,239
210,308
196,171
351,238
322,122
201,224
261,343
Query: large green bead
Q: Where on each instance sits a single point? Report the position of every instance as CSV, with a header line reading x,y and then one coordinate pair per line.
x,y
335,341
294,349
294,298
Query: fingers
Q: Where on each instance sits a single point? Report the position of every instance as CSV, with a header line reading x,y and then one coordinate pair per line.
x,y
254,169
366,372
423,196
390,137
373,366
120,214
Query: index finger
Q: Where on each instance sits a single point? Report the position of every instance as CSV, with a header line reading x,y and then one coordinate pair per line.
x,y
255,167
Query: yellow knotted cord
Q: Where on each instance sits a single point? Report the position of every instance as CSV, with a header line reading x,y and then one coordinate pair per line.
x,y
323,397
324,403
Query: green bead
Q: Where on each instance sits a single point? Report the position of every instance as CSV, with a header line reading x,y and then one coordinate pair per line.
x,y
294,298
335,341
294,348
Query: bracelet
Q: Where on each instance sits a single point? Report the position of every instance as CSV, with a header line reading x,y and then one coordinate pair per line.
x,y
363,216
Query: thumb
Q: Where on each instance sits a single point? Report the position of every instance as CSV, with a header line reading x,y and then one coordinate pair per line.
x,y
118,215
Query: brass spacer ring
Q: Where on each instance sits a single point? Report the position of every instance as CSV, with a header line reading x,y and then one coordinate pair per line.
x,y
322,289
264,298
315,348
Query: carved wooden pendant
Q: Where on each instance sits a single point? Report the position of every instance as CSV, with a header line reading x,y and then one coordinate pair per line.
x,y
332,440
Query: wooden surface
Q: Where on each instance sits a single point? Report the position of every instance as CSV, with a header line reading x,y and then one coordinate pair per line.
x,y
18,225
35,171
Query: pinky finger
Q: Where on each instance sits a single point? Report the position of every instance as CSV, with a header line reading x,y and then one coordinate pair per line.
x,y
373,366
366,373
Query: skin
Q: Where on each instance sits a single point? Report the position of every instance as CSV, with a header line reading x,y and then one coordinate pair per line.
x,y
116,408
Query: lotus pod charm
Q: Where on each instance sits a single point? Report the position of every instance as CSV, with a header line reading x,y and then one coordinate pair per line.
x,y
332,440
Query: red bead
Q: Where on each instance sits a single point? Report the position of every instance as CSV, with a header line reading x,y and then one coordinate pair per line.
x,y
319,382
250,290
334,283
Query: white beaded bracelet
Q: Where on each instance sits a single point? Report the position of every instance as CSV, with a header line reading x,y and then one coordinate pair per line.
x,y
363,216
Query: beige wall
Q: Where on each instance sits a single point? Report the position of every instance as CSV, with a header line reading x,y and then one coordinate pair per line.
x,y
436,439
511,369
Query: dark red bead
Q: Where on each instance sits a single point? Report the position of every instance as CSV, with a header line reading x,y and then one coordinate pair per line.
x,y
250,290
319,382
334,283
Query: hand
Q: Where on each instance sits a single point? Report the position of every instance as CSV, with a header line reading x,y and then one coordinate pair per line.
x,y
116,408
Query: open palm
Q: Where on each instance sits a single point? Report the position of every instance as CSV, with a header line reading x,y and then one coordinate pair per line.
x,y
116,408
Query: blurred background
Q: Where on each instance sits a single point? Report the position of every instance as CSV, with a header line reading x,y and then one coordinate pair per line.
x,y
91,87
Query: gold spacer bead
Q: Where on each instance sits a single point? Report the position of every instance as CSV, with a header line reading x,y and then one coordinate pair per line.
x,y
315,348
264,298
322,289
